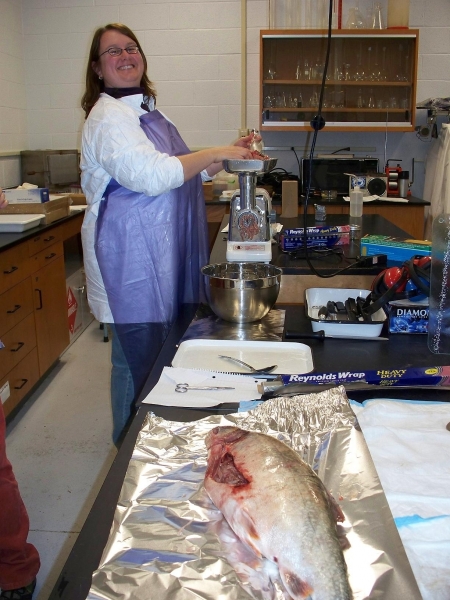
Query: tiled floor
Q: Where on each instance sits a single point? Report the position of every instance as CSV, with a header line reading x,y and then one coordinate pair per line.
x,y
60,448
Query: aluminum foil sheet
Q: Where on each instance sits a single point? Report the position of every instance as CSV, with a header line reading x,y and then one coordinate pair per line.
x,y
206,325
169,542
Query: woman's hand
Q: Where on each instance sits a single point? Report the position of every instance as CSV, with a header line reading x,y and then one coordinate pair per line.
x,y
246,140
236,152
222,153
3,200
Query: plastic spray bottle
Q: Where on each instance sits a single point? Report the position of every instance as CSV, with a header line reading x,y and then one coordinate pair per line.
x,y
356,202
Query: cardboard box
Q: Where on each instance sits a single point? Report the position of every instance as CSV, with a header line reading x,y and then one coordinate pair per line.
x,y
32,196
406,316
56,208
396,250
78,199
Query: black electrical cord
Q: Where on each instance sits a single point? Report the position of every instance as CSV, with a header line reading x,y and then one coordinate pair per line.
x,y
340,150
317,123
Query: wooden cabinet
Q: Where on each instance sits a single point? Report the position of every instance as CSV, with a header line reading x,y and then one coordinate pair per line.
x,y
50,311
15,265
34,327
370,84
18,359
19,381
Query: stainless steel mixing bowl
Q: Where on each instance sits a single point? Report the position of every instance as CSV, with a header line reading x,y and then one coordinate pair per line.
x,y
242,292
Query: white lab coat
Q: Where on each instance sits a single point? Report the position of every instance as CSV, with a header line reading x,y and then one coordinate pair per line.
x,y
114,146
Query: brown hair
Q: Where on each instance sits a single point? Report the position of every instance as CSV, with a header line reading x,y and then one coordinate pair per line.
x,y
94,85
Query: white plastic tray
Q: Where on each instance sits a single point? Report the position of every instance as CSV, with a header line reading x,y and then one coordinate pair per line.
x,y
17,223
317,297
290,357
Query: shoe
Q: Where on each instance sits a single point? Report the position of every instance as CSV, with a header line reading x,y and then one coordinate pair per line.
x,y
23,593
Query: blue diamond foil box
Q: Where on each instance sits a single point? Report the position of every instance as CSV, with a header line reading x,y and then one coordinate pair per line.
x,y
406,316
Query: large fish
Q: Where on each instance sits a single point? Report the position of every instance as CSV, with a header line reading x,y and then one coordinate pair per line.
x,y
276,504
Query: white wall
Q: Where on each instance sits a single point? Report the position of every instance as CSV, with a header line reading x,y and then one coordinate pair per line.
x,y
193,50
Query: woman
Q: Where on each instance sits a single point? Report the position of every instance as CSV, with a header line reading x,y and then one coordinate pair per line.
x,y
144,232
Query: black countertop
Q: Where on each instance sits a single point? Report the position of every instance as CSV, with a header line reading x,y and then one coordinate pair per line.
x,y
339,201
392,200
7,240
402,350
370,224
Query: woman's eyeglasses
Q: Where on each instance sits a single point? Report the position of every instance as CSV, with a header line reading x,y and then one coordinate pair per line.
x,y
118,51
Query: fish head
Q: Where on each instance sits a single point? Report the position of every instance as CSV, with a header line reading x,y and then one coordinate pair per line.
x,y
221,468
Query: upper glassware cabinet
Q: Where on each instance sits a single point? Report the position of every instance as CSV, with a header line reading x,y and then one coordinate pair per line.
x,y
370,81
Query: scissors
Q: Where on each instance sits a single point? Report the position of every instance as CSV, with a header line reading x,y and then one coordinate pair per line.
x,y
184,387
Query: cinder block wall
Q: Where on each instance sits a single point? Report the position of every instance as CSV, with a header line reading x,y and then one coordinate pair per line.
x,y
194,55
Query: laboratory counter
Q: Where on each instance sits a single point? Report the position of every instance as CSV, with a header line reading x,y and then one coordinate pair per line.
x,y
297,275
330,355
67,225
409,216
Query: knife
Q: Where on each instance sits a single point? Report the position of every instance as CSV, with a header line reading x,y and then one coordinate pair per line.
x,y
320,335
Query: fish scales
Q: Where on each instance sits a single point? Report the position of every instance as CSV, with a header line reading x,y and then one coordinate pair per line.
x,y
278,506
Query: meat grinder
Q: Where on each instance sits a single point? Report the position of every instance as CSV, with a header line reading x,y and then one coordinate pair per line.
x,y
249,236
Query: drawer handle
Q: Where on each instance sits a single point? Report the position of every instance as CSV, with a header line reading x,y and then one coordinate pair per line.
x,y
12,269
19,346
49,239
40,299
19,387
16,308
50,256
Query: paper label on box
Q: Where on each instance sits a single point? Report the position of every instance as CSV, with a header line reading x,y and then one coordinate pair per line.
x,y
33,196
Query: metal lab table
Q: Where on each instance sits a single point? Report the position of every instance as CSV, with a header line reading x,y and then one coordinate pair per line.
x,y
331,355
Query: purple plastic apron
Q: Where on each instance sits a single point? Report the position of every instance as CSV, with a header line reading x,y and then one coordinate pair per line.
x,y
150,250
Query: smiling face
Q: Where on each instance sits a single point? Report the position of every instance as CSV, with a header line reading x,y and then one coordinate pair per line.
x,y
121,71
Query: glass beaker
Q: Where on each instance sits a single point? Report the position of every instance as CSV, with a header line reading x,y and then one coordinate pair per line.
x,y
384,74
314,99
377,17
340,98
359,74
355,20
360,99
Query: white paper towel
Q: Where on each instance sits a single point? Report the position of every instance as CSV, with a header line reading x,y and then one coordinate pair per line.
x,y
164,391
410,447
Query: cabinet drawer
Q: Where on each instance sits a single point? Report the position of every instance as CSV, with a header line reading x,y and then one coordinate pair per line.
x,y
44,240
46,256
14,266
20,381
72,227
18,343
15,305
